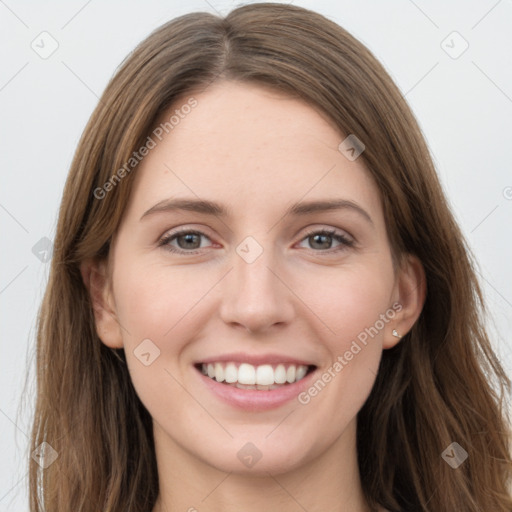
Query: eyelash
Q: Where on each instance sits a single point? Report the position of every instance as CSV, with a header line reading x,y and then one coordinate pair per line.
x,y
345,241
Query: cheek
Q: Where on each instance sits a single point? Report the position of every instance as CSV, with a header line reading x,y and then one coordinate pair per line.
x,y
348,300
353,305
155,302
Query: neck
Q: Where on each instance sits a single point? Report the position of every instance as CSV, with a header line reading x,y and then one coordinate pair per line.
x,y
328,482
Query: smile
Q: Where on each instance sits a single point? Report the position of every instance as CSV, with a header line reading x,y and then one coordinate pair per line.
x,y
261,377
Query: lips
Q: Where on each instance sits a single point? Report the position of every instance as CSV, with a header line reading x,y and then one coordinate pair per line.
x,y
254,397
255,372
248,376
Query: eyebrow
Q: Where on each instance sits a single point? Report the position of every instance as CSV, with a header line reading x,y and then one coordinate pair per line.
x,y
212,208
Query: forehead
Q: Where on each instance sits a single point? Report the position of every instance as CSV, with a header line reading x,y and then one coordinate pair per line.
x,y
249,147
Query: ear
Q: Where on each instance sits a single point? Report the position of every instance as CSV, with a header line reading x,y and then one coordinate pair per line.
x,y
97,282
409,294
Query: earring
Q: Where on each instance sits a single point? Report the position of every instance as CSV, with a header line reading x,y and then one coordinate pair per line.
x,y
395,334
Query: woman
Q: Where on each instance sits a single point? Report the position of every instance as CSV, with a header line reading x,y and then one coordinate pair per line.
x,y
259,298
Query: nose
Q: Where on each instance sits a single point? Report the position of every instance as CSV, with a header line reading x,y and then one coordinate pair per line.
x,y
256,295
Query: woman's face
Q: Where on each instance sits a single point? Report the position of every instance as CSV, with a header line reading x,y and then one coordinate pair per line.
x,y
252,282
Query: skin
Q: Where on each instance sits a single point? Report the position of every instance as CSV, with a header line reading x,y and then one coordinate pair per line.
x,y
256,151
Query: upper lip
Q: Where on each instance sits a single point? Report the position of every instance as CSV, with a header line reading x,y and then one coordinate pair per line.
x,y
255,359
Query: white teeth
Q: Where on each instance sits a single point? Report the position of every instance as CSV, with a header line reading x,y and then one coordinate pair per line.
x,y
231,373
264,375
301,372
290,374
248,376
280,374
219,372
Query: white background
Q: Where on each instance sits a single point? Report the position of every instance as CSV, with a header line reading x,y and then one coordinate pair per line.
x,y
464,107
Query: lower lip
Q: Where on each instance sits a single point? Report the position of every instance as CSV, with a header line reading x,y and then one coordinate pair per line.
x,y
254,400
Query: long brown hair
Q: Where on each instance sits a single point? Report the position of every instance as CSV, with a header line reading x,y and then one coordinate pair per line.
x,y
441,384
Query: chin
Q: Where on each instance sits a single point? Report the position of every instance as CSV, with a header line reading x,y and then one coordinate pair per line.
x,y
244,457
